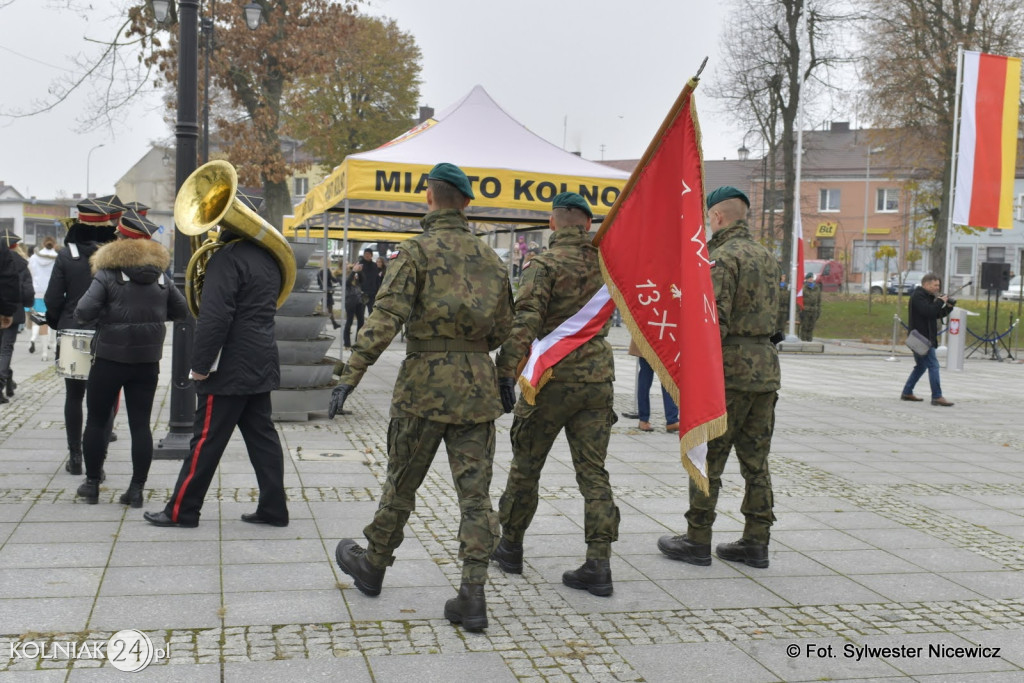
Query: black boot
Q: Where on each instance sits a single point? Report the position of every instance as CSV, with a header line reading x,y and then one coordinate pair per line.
x,y
11,384
748,552
509,556
595,577
90,490
353,561
133,496
74,463
683,549
3,397
468,608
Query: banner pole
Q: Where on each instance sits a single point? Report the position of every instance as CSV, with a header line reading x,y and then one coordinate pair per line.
x,y
797,227
947,283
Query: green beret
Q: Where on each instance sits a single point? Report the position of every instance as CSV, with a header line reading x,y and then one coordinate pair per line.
x,y
726,192
571,200
453,175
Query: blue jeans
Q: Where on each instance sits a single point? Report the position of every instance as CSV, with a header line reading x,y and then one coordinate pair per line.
x,y
929,362
644,379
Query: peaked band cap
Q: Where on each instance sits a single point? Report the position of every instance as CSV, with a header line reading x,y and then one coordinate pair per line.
x,y
571,200
137,207
134,226
453,175
98,210
9,238
726,192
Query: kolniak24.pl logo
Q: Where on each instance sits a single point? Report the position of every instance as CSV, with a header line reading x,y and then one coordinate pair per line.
x,y
127,650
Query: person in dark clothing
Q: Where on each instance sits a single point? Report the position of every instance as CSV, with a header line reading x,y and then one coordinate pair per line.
x,y
353,303
332,282
130,300
10,289
9,243
927,307
70,279
235,363
371,278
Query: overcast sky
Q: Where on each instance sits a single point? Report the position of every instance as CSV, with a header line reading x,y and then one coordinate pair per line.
x,y
596,75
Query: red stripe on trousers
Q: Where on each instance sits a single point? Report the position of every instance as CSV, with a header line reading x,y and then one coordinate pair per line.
x,y
195,457
988,145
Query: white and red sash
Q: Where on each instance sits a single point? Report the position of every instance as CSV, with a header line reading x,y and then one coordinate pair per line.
x,y
556,345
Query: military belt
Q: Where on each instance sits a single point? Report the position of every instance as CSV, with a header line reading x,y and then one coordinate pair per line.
x,y
736,340
442,345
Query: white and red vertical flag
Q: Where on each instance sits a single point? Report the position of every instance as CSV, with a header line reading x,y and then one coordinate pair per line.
x,y
989,106
654,258
798,236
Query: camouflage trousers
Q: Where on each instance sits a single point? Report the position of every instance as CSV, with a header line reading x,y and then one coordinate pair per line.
x,y
412,445
807,321
750,427
584,410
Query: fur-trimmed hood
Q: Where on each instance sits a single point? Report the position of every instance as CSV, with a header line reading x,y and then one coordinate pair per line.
x,y
142,260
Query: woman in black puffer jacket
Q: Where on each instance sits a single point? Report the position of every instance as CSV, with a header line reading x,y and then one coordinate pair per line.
x,y
130,300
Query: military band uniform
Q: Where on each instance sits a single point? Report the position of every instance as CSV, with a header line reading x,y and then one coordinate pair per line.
x,y
811,310
450,291
235,330
578,398
744,276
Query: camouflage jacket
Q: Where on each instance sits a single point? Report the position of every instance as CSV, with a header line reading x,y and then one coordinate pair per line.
x,y
746,278
812,298
444,284
555,286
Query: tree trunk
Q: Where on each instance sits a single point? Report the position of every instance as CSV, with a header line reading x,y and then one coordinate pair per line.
x,y
277,201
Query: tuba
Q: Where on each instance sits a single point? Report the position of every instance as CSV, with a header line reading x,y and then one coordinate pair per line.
x,y
207,199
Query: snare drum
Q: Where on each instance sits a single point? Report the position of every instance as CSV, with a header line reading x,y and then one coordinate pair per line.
x,y
74,353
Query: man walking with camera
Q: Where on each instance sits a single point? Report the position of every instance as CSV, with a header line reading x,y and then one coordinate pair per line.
x,y
927,307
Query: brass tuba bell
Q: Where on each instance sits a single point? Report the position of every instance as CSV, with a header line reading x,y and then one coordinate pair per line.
x,y
207,199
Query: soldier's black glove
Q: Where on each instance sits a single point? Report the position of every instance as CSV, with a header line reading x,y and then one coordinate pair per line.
x,y
777,338
507,389
338,397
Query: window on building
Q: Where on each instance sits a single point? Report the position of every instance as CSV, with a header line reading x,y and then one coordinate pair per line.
x,y
774,200
6,225
827,249
888,200
1019,207
301,187
995,232
963,261
995,254
828,200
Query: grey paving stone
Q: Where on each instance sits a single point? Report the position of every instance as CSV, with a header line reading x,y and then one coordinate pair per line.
x,y
703,662
1004,584
35,615
920,587
115,613
718,593
936,655
22,555
162,581
283,607
275,550
775,656
341,668
171,673
157,553
395,603
478,666
279,576
820,590
55,582
66,532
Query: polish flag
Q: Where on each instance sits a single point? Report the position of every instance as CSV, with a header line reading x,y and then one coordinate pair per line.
x,y
989,106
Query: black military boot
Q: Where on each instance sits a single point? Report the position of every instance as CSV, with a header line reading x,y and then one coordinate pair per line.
x,y
747,552
11,384
468,608
353,561
595,577
509,556
133,496
683,549
74,463
90,490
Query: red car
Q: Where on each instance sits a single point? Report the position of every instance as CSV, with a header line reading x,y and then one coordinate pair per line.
x,y
828,274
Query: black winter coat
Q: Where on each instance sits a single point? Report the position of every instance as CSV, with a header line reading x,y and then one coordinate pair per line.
x,y
925,312
28,294
10,287
130,300
69,280
236,321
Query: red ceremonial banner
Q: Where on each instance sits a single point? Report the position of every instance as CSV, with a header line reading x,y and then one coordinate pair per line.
x,y
654,258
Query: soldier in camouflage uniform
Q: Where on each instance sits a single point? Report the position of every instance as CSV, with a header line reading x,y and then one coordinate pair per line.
x,y
812,308
577,397
451,292
744,276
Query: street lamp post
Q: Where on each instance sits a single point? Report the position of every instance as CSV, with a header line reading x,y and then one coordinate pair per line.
x,y
867,205
186,133
88,161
